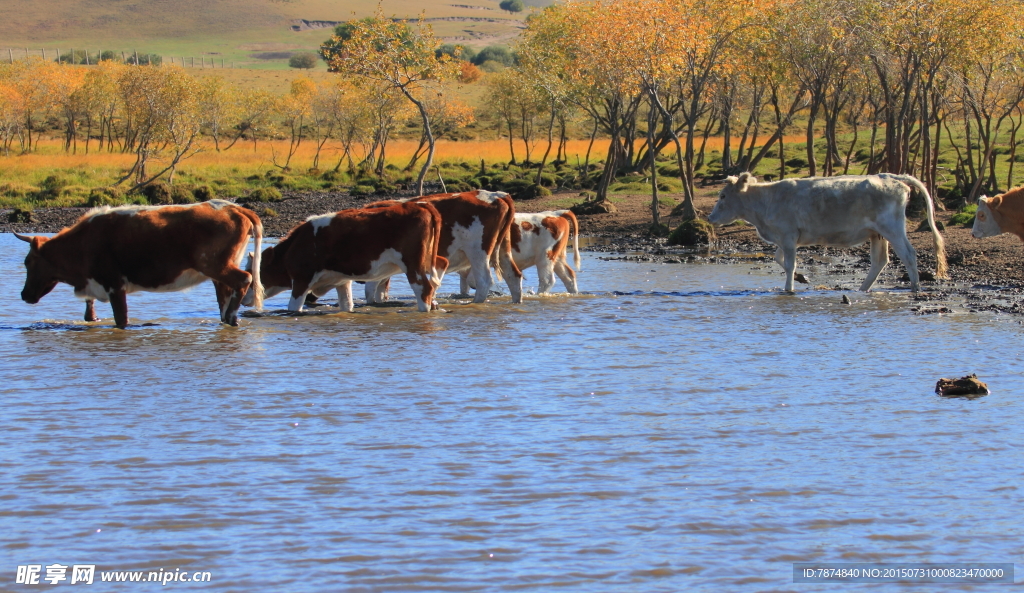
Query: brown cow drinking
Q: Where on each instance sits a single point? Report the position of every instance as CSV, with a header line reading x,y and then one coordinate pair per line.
x,y
111,252
332,250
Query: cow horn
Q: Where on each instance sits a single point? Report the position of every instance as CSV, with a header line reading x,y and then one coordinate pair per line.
x,y
24,238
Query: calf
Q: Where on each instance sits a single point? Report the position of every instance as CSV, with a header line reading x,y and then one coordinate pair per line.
x,y
111,252
1000,214
474,237
540,239
369,244
838,211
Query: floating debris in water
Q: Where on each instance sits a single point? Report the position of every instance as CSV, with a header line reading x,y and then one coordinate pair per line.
x,y
968,386
801,278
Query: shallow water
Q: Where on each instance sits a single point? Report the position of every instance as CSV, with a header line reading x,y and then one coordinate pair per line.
x,y
681,427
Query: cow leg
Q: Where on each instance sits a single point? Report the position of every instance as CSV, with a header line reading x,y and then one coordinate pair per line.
x,y
90,310
119,304
567,275
788,253
545,275
879,258
422,289
370,291
481,271
345,297
908,255
383,293
513,276
465,282
300,288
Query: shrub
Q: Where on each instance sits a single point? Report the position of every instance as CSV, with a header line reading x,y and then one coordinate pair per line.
x,y
692,232
964,216
53,187
548,180
333,175
182,194
16,190
104,196
21,215
458,186
450,49
203,193
362,190
158,193
469,73
511,5
796,163
495,53
146,59
304,60
261,195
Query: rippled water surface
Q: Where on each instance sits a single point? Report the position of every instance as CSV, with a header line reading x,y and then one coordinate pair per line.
x,y
681,427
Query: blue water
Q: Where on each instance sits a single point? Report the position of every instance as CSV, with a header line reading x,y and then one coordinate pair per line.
x,y
682,427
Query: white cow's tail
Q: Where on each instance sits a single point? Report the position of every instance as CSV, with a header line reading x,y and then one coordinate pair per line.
x,y
256,258
941,267
574,226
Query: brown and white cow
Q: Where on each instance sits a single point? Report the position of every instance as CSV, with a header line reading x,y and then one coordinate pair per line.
x,y
111,252
332,250
474,237
540,239
1000,214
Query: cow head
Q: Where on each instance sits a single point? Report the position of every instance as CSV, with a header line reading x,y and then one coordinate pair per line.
x,y
728,207
985,224
42,275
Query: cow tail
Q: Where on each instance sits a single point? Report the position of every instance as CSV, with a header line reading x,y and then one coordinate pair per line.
x,y
941,267
257,257
575,227
435,245
503,248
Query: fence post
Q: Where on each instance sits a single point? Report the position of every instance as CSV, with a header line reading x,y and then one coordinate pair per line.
x,y
137,57
11,52
44,53
123,59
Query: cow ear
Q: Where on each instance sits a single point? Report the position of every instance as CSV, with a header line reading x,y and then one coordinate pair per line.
x,y
744,181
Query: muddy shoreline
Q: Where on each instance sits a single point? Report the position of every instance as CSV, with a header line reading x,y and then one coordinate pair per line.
x,y
985,275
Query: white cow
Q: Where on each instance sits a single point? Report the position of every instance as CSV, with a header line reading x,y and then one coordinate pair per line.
x,y
838,211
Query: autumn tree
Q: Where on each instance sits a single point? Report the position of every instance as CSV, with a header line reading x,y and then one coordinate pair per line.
x,y
387,51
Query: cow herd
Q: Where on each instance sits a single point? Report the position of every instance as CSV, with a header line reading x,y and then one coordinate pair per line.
x,y
111,252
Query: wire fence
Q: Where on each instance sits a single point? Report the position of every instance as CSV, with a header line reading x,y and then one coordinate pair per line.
x,y
92,57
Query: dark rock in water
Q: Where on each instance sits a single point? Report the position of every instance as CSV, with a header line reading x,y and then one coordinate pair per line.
x,y
924,275
846,300
801,278
968,386
598,207
695,231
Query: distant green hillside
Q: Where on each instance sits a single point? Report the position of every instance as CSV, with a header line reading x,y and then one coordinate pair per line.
x,y
250,33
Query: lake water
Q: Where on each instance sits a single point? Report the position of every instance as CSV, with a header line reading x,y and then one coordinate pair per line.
x,y
681,427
